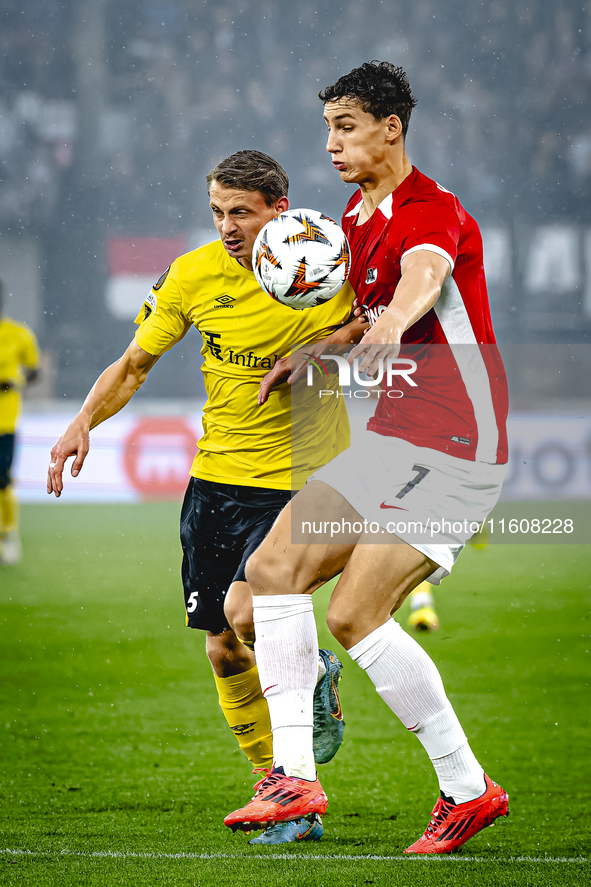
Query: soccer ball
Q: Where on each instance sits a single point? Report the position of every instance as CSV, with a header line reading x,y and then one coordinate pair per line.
x,y
301,258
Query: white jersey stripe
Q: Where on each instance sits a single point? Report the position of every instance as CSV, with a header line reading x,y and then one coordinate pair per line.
x,y
385,206
356,209
431,248
452,315
455,323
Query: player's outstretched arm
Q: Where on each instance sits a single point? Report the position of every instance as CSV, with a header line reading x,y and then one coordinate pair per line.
x,y
283,371
423,275
109,394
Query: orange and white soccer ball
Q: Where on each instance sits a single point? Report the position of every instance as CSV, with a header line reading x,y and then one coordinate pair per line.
x,y
301,258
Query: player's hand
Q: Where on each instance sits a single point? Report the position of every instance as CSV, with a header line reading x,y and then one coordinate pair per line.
x,y
372,356
379,342
289,369
351,331
75,442
358,310
280,373
355,328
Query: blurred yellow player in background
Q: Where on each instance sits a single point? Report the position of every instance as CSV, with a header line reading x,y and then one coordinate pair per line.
x,y
423,616
19,367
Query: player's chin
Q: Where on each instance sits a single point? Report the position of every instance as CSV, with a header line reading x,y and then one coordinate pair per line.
x,y
347,175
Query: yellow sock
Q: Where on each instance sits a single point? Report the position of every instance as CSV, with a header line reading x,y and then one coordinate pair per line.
x,y
246,711
8,510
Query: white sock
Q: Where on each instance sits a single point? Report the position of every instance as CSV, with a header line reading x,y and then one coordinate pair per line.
x,y
286,650
410,685
460,775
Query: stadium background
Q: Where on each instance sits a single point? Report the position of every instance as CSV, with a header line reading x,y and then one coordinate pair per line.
x,y
111,115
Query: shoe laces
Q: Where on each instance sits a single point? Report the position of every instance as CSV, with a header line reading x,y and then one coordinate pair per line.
x,y
269,779
438,816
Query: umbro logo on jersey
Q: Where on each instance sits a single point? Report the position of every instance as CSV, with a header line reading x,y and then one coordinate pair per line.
x,y
224,302
371,275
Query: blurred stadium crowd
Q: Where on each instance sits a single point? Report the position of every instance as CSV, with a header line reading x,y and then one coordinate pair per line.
x,y
112,112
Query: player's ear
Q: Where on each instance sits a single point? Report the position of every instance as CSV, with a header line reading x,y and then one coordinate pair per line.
x,y
394,126
282,205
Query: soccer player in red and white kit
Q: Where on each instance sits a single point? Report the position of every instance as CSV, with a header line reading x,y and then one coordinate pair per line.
x,y
440,451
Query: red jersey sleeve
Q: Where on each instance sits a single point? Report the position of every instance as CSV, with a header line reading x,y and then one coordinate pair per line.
x,y
429,225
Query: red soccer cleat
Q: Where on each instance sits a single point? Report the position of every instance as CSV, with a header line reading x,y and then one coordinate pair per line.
x,y
278,798
453,824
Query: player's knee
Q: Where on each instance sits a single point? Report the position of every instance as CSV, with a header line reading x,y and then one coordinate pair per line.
x,y
238,612
341,626
264,575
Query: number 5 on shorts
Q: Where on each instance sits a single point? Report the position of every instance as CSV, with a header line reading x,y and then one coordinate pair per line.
x,y
191,604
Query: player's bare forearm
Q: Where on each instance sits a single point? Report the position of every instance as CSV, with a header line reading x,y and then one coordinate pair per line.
x,y
115,387
349,334
417,293
423,275
111,392
284,370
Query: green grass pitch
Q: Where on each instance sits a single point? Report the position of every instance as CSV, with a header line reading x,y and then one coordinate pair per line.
x,y
116,766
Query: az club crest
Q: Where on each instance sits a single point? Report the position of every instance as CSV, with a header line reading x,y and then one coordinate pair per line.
x,y
371,275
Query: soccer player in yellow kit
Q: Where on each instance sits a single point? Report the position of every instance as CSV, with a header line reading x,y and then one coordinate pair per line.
x,y
19,360
241,475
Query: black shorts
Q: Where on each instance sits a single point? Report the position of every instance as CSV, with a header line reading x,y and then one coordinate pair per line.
x,y
221,526
6,457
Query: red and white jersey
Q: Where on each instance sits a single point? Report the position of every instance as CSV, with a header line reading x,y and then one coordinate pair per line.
x,y
460,403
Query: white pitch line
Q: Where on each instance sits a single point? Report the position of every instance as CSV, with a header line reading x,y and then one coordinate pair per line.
x,y
346,857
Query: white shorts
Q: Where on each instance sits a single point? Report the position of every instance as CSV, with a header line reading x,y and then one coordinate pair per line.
x,y
432,501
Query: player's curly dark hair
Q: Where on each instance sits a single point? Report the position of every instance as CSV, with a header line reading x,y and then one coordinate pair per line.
x,y
251,171
380,87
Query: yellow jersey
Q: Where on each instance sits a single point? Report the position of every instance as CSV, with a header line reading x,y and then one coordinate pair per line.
x,y
244,333
18,351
